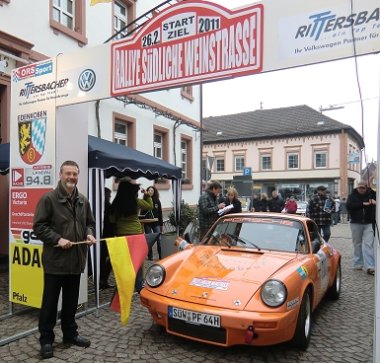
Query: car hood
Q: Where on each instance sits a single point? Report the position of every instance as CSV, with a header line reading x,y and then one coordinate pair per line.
x,y
221,277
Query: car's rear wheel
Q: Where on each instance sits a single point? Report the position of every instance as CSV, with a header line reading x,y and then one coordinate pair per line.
x,y
302,334
333,292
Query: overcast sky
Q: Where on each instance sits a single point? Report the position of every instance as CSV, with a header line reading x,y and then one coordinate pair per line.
x,y
323,85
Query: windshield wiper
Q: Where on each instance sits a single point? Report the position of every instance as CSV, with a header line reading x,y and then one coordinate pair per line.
x,y
242,240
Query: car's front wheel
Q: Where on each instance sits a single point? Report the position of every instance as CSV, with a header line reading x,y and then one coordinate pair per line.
x,y
302,334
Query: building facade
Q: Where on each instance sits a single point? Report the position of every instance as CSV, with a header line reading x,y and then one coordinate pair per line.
x,y
291,150
164,124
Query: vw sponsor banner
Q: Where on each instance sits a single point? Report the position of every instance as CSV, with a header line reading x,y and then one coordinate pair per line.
x,y
186,43
87,73
299,32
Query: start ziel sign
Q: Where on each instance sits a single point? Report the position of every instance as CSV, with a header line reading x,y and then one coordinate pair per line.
x,y
188,43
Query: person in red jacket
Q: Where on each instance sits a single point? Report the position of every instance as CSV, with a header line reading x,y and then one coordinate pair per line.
x,y
291,205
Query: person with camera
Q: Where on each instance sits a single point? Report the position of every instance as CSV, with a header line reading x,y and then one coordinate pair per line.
x,y
361,204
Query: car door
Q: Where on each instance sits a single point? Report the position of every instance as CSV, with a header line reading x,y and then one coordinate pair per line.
x,y
322,261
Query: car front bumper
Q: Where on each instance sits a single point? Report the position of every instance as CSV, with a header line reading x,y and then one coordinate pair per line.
x,y
236,326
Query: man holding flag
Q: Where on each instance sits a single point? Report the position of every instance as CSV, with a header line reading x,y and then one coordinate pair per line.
x,y
63,221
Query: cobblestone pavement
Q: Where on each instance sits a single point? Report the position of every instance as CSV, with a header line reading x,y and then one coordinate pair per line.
x,y
342,332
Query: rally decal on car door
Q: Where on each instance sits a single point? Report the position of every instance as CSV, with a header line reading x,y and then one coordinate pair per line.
x,y
323,270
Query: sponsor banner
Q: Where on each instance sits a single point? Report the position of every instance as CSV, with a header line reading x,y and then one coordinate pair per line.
x,y
87,73
189,42
26,278
32,160
23,202
300,32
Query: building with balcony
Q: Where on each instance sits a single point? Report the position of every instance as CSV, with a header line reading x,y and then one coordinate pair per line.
x,y
291,150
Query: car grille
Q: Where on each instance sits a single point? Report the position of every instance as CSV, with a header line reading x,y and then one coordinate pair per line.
x,y
207,333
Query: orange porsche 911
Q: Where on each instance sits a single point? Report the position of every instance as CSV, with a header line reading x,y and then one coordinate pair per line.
x,y
254,279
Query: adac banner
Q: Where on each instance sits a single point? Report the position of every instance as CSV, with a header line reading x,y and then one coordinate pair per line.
x,y
189,42
26,280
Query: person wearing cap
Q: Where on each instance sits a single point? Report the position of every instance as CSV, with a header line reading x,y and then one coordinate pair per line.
x,y
321,207
124,212
361,204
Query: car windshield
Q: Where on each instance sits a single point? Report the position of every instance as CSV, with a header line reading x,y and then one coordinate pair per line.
x,y
278,234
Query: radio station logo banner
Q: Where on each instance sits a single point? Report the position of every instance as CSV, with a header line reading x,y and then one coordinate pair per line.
x,y
32,136
33,70
189,43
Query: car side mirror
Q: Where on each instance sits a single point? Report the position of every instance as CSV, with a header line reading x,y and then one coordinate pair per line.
x,y
316,245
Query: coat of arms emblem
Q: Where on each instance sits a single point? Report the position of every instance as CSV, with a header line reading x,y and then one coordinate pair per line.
x,y
31,137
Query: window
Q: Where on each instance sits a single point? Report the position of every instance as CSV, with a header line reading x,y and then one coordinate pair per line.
x,y
320,159
266,162
219,165
187,92
124,130
68,17
63,13
184,155
239,163
158,145
124,13
293,162
186,160
121,134
161,151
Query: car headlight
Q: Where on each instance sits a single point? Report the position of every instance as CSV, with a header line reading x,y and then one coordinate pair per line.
x,y
155,275
273,293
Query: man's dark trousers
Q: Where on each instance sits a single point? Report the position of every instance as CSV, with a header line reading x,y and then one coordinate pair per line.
x,y
48,313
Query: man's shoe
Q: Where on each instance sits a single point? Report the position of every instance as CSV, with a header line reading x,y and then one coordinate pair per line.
x,y
370,271
105,285
46,351
78,341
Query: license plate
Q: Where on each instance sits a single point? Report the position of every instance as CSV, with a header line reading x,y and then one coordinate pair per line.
x,y
193,317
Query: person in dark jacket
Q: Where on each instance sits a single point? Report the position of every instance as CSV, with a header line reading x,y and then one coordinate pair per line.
x,y
208,207
232,199
264,203
276,203
320,209
155,227
361,204
255,205
62,218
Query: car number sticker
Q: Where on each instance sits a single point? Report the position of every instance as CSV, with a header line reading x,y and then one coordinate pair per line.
x,y
194,317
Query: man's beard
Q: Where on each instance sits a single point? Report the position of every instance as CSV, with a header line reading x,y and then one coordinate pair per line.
x,y
70,185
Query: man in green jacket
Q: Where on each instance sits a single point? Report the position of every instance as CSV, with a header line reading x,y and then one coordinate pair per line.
x,y
63,217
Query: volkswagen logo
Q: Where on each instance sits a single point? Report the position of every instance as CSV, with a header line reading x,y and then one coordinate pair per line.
x,y
87,80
